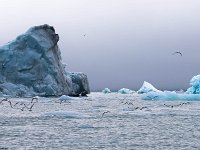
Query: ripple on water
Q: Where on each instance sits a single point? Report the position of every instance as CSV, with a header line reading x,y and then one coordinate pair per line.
x,y
81,125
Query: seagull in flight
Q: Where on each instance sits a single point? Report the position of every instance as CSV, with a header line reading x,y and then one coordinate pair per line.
x,y
177,53
105,113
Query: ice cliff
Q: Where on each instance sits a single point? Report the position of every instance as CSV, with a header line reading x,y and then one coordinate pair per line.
x,y
31,65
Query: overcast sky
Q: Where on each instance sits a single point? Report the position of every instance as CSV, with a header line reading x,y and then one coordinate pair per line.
x,y
127,41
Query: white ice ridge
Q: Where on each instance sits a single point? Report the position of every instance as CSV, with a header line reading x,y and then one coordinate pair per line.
x,y
147,87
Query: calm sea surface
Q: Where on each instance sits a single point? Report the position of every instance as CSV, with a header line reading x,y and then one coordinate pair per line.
x,y
100,121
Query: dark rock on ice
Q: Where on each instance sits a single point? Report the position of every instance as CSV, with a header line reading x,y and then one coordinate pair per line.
x,y
31,65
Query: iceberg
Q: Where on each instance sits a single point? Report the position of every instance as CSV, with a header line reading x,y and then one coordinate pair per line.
x,y
106,90
192,94
125,91
195,83
147,87
31,65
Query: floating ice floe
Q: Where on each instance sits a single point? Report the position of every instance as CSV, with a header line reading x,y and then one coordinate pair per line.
x,y
195,82
168,95
149,92
66,114
147,87
125,91
65,98
106,90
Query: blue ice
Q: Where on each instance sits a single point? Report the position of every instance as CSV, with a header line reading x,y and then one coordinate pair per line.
x,y
149,92
125,91
195,83
170,95
106,90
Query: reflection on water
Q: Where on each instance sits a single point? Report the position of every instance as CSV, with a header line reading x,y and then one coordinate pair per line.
x,y
101,121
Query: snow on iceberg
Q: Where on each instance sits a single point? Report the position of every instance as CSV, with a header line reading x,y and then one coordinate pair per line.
x,y
147,87
106,90
125,91
195,82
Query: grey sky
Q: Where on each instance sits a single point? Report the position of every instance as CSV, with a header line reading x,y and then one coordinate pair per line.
x,y
126,42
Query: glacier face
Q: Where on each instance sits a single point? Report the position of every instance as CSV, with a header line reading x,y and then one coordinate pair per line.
x,y
31,65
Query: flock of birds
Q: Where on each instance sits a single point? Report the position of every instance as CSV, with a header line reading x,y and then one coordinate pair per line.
x,y
144,107
177,105
29,106
21,105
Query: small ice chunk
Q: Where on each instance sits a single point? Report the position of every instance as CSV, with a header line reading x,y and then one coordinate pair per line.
x,y
64,98
106,90
125,91
147,87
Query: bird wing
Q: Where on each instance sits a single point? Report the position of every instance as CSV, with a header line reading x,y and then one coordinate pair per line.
x,y
177,53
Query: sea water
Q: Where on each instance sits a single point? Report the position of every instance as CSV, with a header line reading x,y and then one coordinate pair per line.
x,y
100,121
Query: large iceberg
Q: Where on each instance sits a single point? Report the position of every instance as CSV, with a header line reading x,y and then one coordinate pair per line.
x,y
147,87
195,82
31,65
